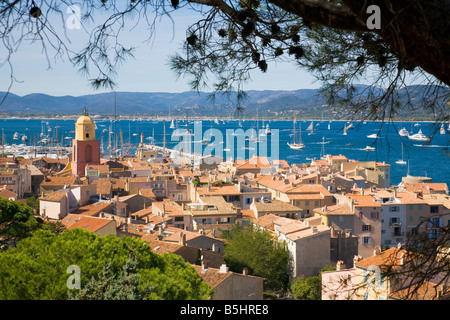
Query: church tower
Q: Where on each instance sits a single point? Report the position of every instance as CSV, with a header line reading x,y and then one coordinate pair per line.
x,y
85,149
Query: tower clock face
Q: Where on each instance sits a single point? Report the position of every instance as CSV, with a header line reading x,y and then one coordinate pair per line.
x,y
87,128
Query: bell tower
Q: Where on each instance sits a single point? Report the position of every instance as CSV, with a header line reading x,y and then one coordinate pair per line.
x,y
85,149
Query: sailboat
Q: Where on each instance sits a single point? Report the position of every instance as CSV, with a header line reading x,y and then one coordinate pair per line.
x,y
311,128
329,125
442,129
401,161
294,145
345,130
268,132
172,125
322,152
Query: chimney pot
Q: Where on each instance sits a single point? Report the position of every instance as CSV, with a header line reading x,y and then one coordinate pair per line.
x,y
223,268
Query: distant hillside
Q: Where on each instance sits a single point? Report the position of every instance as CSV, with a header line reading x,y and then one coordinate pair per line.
x,y
267,103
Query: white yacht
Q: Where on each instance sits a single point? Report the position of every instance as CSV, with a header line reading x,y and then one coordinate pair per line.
x,y
419,136
403,132
372,136
369,148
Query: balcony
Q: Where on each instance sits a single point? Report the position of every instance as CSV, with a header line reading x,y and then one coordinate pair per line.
x,y
395,224
398,234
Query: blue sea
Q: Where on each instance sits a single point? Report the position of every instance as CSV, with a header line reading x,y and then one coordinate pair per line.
x,y
431,159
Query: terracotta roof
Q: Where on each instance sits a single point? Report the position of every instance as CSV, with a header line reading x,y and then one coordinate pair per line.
x,y
338,209
310,188
422,291
339,157
306,232
190,235
389,258
101,168
58,181
269,221
171,208
364,201
142,213
85,222
212,276
427,187
161,247
275,206
409,198
220,190
293,226
248,214
252,163
104,186
305,196
55,196
147,193
5,193
92,209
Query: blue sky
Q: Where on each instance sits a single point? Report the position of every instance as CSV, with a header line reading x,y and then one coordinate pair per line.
x,y
148,72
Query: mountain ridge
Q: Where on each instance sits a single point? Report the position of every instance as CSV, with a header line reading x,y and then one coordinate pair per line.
x,y
267,103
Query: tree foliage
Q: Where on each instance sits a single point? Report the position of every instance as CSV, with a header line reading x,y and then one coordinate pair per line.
x,y
16,221
232,38
110,267
257,250
309,288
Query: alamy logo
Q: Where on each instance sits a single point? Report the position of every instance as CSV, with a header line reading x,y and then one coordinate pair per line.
x,y
374,20
74,280
372,277
74,20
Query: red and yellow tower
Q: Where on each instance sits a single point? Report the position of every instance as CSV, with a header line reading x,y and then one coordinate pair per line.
x,y
85,149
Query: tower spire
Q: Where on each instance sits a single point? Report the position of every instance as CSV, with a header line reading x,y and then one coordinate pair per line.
x,y
85,112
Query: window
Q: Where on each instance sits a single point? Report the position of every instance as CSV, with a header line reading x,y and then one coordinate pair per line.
x,y
374,215
249,200
366,240
316,203
178,219
411,218
434,209
394,209
306,203
366,227
420,207
411,207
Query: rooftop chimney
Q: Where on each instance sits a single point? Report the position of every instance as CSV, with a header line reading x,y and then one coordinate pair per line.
x,y
204,265
245,272
340,265
223,268
182,239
